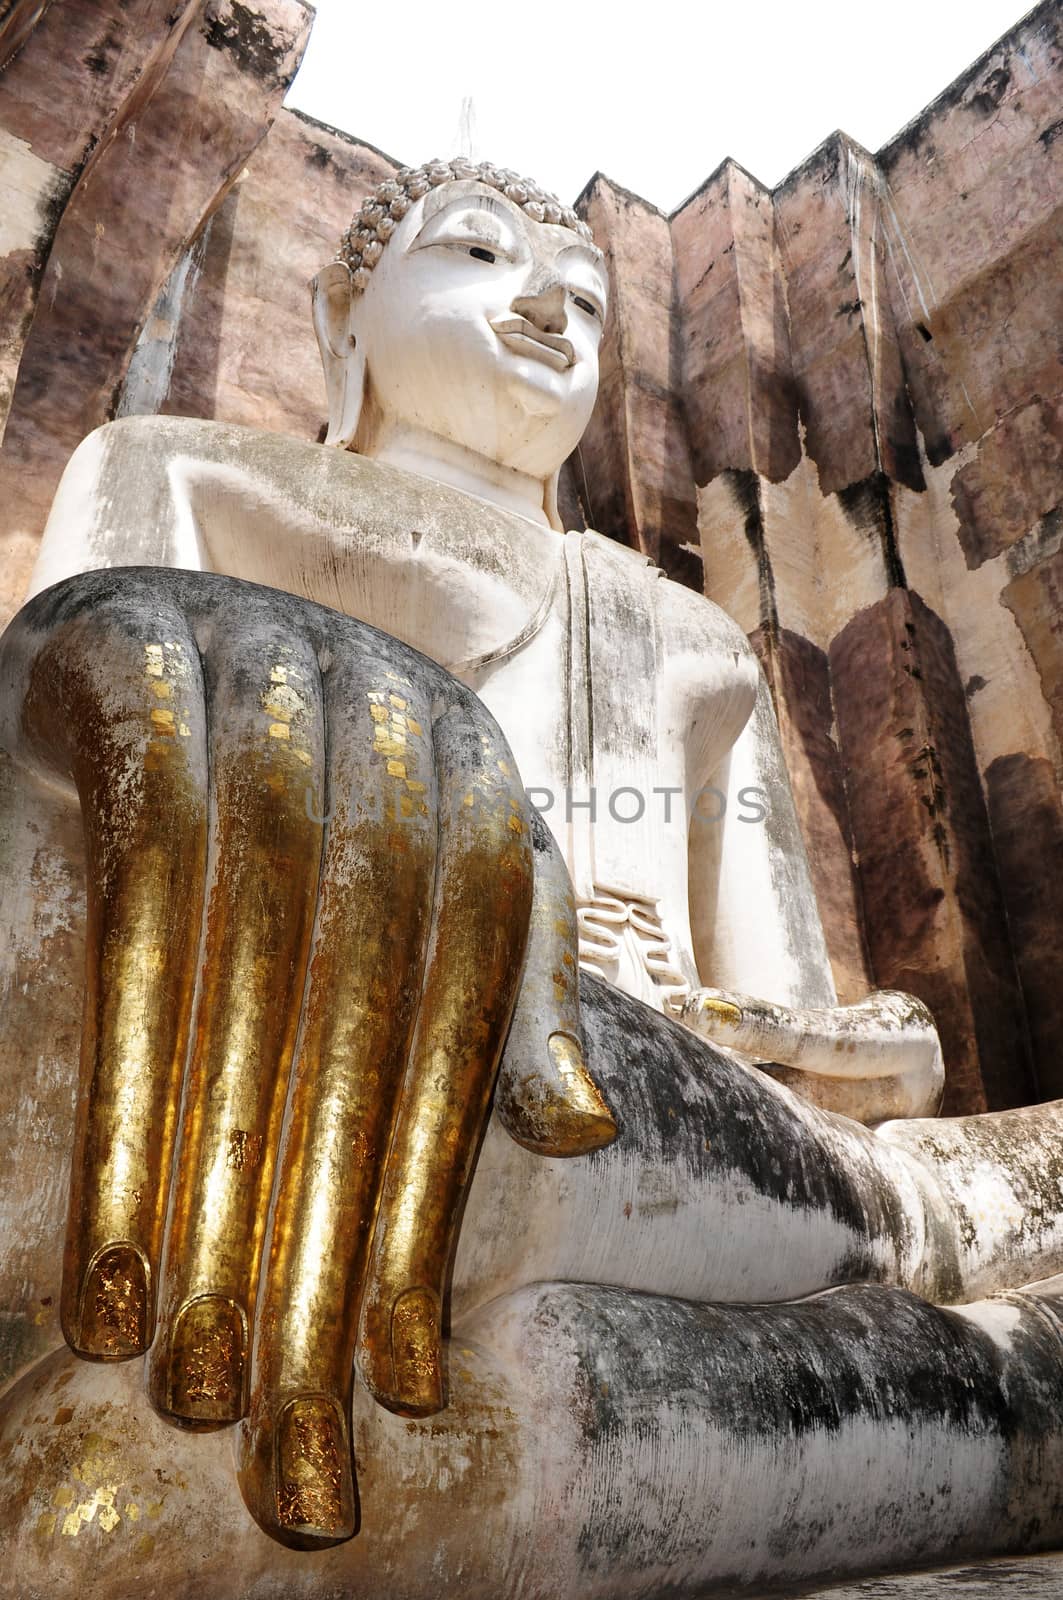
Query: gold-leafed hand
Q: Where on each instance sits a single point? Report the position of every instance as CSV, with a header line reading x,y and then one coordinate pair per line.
x,y
310,890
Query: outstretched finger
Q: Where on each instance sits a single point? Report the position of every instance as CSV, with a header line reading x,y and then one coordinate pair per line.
x,y
364,983
267,753
118,696
482,909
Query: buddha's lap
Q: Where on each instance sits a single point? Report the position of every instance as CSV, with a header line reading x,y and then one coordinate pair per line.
x,y
721,1184
602,1416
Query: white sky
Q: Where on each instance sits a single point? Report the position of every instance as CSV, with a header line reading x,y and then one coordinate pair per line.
x,y
655,93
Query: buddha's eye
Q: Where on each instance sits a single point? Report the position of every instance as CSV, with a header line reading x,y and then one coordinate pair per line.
x,y
585,305
481,254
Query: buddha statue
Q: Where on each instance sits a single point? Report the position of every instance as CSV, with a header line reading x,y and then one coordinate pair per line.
x,y
475,1187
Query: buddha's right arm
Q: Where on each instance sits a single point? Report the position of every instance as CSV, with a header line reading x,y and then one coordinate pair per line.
x,y
308,860
195,495
119,503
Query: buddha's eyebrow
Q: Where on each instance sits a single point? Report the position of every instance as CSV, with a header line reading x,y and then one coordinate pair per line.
x,y
468,202
588,253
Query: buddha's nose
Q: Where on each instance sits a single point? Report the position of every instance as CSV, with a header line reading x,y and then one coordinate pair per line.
x,y
543,304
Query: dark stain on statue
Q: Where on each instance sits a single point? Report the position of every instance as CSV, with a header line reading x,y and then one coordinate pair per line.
x,y
763,1137
772,1377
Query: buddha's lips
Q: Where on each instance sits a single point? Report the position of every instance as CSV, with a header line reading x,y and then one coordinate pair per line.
x,y
526,339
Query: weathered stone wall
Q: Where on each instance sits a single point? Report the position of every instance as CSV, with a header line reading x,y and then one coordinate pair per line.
x,y
869,368
123,124
241,345
837,407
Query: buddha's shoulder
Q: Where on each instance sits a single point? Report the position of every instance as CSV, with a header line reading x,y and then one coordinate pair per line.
x,y
688,622
257,503
164,439
332,486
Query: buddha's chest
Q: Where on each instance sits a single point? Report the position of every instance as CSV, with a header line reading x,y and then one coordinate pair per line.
x,y
613,740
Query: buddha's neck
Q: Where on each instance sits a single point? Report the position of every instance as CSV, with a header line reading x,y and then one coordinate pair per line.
x,y
399,444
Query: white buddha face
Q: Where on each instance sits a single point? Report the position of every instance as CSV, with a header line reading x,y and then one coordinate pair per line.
x,y
481,326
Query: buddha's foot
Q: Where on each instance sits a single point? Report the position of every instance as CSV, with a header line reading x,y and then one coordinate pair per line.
x,y
596,1442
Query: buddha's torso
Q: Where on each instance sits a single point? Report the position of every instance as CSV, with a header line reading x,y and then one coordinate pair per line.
x,y
615,688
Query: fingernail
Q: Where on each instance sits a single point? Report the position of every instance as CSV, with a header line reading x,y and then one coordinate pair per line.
x,y
558,1111
584,1121
113,1305
204,1379
314,1484
416,1336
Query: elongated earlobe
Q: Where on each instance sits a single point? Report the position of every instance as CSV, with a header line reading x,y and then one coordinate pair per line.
x,y
342,359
